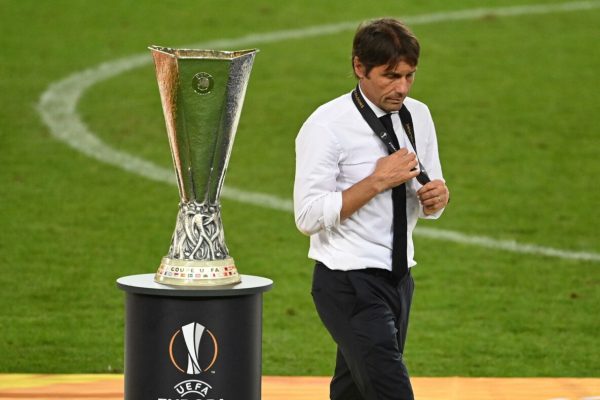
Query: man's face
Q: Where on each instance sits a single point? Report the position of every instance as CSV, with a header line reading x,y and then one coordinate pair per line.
x,y
385,86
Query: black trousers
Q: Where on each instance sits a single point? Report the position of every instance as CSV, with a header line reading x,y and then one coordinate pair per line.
x,y
366,312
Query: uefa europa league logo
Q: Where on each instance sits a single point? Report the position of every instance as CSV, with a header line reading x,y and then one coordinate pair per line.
x,y
193,335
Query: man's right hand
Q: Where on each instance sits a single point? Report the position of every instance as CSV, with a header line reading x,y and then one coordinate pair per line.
x,y
395,169
390,171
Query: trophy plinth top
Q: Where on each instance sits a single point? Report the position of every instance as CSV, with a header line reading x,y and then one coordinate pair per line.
x,y
203,54
145,284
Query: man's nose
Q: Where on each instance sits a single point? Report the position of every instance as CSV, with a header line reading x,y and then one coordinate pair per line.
x,y
402,85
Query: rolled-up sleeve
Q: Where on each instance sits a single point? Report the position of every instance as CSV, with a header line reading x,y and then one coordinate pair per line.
x,y
317,203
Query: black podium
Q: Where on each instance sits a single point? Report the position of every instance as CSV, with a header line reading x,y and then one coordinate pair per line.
x,y
193,343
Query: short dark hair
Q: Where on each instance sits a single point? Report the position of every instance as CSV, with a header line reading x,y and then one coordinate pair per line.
x,y
385,41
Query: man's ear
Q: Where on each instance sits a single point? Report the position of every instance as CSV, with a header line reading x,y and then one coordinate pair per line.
x,y
359,68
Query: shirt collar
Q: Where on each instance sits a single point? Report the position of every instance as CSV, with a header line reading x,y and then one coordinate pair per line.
x,y
378,111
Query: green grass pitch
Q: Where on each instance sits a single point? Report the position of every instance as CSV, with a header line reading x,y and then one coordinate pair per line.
x,y
515,103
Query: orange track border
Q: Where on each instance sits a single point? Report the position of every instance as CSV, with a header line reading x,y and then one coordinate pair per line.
x,y
110,387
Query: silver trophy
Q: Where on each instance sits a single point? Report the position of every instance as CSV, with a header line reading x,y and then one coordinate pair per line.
x,y
202,93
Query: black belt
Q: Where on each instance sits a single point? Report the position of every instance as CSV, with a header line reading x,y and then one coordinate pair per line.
x,y
369,271
375,272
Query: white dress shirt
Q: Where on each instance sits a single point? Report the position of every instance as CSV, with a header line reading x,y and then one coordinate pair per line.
x,y
335,149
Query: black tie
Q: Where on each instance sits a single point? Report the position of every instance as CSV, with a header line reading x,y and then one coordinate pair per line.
x,y
399,258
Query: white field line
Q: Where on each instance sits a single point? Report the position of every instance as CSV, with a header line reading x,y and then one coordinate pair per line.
x,y
58,109
507,245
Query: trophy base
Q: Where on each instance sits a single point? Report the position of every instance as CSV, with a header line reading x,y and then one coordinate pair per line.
x,y
197,272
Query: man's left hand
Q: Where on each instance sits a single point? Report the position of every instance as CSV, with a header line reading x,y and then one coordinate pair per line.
x,y
433,196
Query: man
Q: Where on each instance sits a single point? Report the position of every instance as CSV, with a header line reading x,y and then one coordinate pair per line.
x,y
360,202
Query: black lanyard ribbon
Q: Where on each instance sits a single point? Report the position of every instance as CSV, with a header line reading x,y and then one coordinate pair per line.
x,y
381,132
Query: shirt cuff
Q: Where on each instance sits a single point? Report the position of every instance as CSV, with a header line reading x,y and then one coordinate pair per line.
x,y
332,207
435,215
